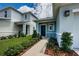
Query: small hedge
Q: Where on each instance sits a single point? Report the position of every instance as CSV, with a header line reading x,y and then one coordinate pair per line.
x,y
10,36
13,51
34,35
2,38
52,42
25,44
66,41
13,36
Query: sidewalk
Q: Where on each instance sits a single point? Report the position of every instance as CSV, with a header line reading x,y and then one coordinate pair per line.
x,y
38,49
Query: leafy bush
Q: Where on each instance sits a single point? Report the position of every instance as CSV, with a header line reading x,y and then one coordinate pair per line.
x,y
34,35
66,41
15,35
29,43
34,40
22,35
13,51
10,36
25,44
52,42
18,49
2,38
10,51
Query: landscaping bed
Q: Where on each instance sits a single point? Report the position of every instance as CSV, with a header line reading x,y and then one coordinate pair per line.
x,y
25,50
17,44
5,44
54,50
60,53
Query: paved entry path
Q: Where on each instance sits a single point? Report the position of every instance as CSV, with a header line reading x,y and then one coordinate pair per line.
x,y
38,49
76,50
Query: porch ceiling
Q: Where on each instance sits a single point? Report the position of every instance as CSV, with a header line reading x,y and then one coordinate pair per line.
x,y
56,7
4,18
44,20
18,23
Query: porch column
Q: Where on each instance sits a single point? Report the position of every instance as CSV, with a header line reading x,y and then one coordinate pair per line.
x,y
24,28
37,27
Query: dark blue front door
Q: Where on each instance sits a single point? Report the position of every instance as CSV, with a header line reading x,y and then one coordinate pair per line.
x,y
43,30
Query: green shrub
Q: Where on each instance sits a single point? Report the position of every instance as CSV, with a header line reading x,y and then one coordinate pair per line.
x,y
34,35
25,44
18,49
13,51
52,42
22,35
10,51
10,36
66,41
29,43
34,40
2,38
15,35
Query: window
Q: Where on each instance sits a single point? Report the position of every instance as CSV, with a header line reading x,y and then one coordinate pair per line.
x,y
5,14
25,16
33,28
51,27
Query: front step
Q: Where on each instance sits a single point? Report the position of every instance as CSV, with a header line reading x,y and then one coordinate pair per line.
x,y
45,37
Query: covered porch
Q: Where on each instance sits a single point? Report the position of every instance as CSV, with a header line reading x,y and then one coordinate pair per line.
x,y
46,27
22,27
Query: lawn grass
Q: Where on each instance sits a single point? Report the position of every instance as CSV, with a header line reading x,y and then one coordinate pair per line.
x,y
4,44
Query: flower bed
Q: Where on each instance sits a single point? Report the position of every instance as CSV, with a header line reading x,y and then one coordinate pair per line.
x,y
13,45
54,50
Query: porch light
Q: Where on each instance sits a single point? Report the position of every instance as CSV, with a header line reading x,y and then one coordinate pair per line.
x,y
66,13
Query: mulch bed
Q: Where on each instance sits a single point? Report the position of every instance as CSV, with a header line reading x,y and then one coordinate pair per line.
x,y
60,53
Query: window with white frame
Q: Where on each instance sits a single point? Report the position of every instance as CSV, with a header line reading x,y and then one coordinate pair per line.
x,y
25,16
5,15
51,27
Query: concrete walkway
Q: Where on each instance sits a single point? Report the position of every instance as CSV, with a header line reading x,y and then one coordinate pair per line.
x,y
38,49
76,50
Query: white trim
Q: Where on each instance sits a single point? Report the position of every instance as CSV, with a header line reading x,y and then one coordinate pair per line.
x,y
45,29
53,27
75,10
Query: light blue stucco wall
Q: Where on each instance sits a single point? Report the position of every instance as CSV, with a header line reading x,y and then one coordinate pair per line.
x,y
48,33
68,24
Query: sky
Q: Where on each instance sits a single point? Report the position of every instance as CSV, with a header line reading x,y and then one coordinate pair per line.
x,y
41,10
15,5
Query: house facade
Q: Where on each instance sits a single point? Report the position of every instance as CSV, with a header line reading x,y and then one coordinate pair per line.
x,y
46,27
13,21
65,19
